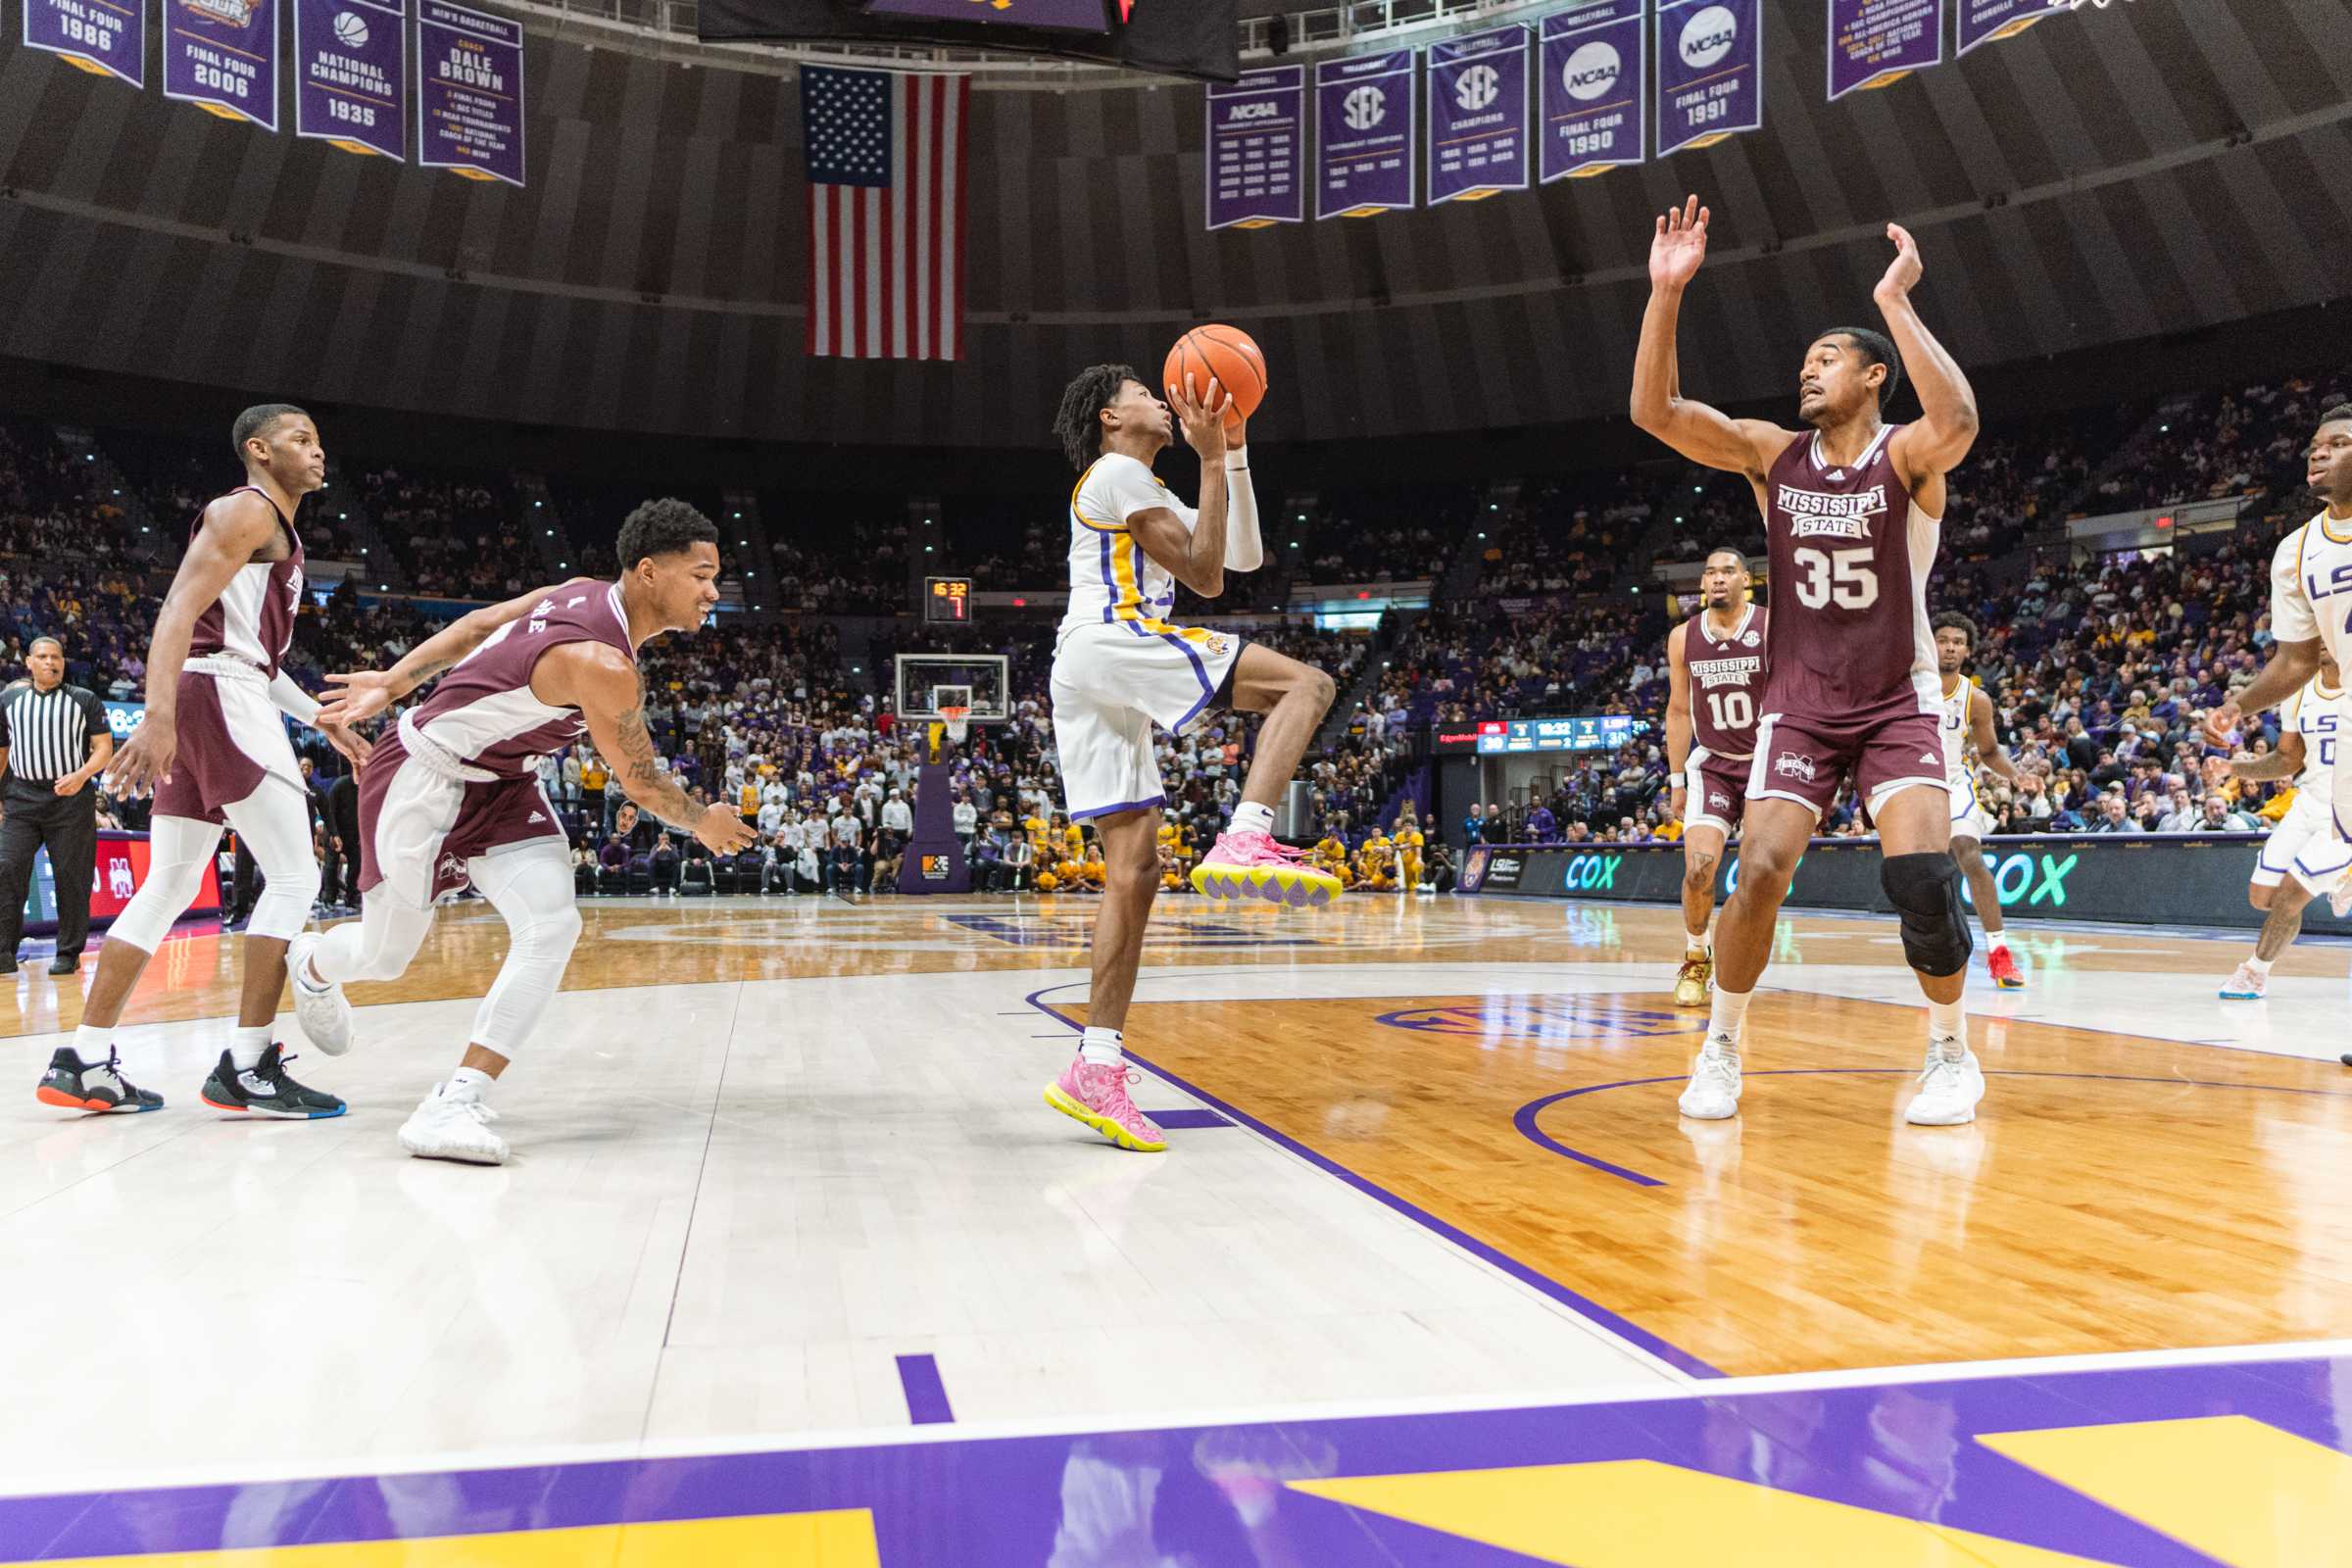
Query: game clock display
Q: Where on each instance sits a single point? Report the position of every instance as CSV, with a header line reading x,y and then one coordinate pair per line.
x,y
1074,16
947,601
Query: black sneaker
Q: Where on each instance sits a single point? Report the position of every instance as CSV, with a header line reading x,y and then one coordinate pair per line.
x,y
65,964
265,1090
99,1086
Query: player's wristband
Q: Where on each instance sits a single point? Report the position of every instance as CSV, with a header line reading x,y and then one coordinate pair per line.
x,y
1237,459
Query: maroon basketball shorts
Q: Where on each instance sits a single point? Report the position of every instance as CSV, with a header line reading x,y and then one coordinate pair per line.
x,y
1804,757
1715,790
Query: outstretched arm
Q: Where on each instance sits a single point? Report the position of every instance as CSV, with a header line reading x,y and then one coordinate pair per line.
x,y
368,692
1947,425
1703,434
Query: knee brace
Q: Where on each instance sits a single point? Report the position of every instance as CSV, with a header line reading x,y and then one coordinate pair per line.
x,y
287,894
171,885
1925,890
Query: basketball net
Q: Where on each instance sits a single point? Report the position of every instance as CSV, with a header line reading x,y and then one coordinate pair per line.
x,y
957,721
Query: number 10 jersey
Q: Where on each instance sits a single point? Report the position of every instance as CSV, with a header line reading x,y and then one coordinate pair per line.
x,y
1849,553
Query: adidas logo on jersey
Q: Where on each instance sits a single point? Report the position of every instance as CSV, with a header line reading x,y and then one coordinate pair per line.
x,y
538,817
1925,758
1837,473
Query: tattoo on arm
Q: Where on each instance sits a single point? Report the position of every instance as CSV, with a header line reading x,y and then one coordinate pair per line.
x,y
645,783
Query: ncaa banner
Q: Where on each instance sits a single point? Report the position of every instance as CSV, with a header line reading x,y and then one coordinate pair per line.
x,y
1257,149
1594,79
1989,21
1364,127
1874,42
468,92
1477,114
1709,85
104,38
350,79
221,56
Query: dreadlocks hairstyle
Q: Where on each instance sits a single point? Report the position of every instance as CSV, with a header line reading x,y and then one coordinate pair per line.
x,y
1876,348
1079,421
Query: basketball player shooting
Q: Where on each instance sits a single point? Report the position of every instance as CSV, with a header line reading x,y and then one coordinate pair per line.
x,y
1851,512
213,749
452,795
1119,667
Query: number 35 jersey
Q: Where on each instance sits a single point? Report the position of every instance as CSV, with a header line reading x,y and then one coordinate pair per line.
x,y
1849,553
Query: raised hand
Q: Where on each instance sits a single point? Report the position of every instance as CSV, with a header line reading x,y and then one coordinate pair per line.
x,y
1200,413
1679,246
365,693
1904,272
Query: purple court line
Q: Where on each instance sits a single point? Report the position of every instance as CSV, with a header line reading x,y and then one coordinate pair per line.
x,y
926,1394
1524,1118
1583,1307
1187,1118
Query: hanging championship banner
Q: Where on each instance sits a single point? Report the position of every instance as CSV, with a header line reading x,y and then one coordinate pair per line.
x,y
350,79
1365,134
1477,114
1873,42
1709,82
1988,20
221,56
468,92
1257,149
104,38
1594,82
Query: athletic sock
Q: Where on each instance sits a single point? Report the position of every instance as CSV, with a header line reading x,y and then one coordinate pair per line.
x,y
2260,966
470,1083
1947,1026
1102,1048
1251,818
91,1042
1697,945
1729,1015
246,1046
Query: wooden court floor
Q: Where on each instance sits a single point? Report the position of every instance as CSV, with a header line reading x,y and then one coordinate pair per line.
x,y
2153,1169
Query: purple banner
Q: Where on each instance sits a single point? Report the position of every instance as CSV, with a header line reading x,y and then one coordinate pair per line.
x,y
468,92
1257,149
1077,16
1595,82
1986,21
1873,42
104,38
1708,82
221,54
1477,114
350,79
1364,130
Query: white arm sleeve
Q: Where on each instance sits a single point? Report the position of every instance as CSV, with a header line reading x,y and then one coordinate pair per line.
x,y
292,701
2293,619
1245,550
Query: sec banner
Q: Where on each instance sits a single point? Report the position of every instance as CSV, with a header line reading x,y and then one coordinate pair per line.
x,y
468,92
104,38
1874,42
1365,121
1477,114
351,80
1988,21
221,54
1708,82
1596,86
1257,149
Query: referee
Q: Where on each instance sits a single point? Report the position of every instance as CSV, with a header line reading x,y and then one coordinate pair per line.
x,y
52,740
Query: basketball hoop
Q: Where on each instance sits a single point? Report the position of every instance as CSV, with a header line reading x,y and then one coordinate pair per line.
x,y
959,722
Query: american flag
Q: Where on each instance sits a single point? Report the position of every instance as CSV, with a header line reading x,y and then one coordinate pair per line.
x,y
885,212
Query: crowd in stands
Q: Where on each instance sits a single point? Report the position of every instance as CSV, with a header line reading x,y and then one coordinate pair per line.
x,y
456,536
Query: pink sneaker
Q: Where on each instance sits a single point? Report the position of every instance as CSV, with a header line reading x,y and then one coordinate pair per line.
x,y
1097,1097
1251,865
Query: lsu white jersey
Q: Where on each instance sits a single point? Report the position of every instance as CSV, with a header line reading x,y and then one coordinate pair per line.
x,y
2311,586
1959,740
1111,579
2321,718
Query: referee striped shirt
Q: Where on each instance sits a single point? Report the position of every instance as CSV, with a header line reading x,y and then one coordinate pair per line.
x,y
48,733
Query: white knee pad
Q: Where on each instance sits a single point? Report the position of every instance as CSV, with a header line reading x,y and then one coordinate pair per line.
x,y
379,946
285,907
180,849
532,889
276,826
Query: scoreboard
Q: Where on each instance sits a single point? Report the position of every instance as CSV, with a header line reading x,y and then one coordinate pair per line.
x,y
1078,15
947,601
1602,732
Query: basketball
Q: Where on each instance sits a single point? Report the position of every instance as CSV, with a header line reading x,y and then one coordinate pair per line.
x,y
1226,353
350,29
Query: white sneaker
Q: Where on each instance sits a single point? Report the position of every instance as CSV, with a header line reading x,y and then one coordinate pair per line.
x,y
1714,1089
447,1127
2245,985
1948,1091
324,1015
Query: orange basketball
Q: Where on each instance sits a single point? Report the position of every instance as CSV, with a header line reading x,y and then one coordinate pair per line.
x,y
1226,353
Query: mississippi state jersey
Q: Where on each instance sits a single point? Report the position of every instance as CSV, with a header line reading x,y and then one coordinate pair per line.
x,y
484,713
1727,683
2318,715
252,620
1849,553
1959,736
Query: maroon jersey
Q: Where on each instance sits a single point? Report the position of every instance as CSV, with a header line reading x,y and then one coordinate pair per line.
x,y
252,620
1849,553
483,713
1727,683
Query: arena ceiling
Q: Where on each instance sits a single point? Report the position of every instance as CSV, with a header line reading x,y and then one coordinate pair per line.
x,y
2108,176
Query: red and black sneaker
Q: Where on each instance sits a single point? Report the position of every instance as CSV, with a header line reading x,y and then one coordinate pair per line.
x,y
2004,969
93,1086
